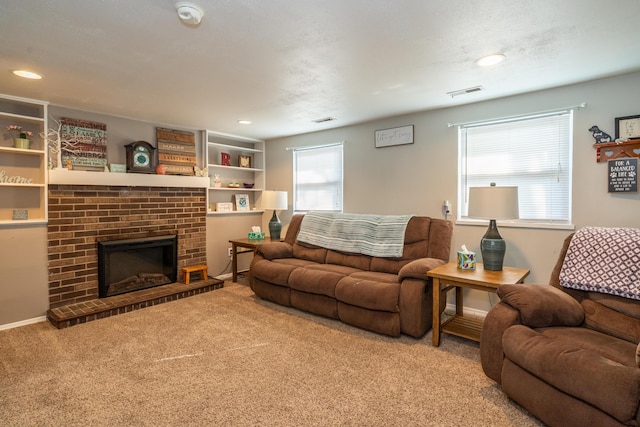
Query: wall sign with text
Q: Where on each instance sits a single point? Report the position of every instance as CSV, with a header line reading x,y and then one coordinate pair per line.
x,y
623,175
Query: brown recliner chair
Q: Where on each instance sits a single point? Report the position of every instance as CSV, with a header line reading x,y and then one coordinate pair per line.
x,y
569,357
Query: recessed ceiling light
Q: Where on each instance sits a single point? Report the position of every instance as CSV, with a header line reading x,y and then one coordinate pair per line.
x,y
244,122
27,74
489,60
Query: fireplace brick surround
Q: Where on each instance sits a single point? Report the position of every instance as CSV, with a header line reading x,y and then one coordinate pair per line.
x,y
82,215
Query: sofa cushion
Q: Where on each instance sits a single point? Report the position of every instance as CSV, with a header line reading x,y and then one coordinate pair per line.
x,y
315,280
608,321
542,305
361,262
276,273
638,355
607,346
576,371
309,253
368,293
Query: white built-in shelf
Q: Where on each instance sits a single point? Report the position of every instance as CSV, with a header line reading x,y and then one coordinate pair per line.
x,y
255,211
234,168
22,151
71,177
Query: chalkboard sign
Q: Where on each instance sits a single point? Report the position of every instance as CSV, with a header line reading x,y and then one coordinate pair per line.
x,y
623,175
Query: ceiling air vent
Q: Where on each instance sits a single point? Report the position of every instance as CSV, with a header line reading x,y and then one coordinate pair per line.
x,y
465,91
324,119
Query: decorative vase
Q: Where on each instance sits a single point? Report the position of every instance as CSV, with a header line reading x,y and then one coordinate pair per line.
x,y
21,143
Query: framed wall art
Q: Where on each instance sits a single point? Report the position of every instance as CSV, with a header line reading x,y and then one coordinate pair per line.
x,y
84,143
628,127
244,161
242,203
394,136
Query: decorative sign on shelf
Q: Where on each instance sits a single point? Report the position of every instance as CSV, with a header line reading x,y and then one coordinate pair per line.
x,y
20,214
176,151
15,179
84,143
395,136
623,175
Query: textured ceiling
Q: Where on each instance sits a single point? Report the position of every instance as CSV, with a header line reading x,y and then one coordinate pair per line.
x,y
284,63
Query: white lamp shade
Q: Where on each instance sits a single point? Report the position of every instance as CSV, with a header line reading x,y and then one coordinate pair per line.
x,y
493,202
276,200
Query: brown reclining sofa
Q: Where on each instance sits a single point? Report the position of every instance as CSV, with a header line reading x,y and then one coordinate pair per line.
x,y
386,295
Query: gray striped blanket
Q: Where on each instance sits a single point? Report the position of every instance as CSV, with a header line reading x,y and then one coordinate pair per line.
x,y
374,235
605,260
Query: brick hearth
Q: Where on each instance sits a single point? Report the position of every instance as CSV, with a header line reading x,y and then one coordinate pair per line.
x,y
81,215
94,309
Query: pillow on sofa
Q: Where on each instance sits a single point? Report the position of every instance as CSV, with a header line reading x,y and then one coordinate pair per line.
x,y
541,306
610,322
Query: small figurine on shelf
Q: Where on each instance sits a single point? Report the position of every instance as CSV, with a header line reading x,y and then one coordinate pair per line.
x,y
599,135
217,182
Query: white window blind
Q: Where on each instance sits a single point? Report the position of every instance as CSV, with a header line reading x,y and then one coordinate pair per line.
x,y
533,153
317,178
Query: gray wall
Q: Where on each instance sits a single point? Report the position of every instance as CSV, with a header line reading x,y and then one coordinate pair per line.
x,y
417,178
404,179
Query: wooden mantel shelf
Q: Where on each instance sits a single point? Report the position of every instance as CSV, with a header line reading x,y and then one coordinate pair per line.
x,y
67,177
612,150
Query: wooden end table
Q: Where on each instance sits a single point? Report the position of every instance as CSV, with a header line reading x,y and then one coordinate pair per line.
x,y
242,243
449,276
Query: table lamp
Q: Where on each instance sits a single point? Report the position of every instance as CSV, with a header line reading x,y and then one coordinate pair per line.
x,y
276,200
493,203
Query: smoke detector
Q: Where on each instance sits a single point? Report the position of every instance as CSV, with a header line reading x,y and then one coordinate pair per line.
x,y
189,13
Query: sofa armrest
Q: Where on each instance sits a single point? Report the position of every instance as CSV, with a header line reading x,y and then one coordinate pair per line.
x,y
542,306
417,269
275,250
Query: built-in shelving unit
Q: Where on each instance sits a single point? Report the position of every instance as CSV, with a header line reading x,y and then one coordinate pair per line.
x,y
23,177
221,148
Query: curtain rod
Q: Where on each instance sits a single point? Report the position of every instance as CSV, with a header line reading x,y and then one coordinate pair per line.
x,y
307,147
499,119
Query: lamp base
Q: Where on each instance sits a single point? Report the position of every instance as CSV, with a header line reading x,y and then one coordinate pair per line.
x,y
493,248
275,227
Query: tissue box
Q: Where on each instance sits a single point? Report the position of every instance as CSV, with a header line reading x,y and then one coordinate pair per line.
x,y
256,236
466,260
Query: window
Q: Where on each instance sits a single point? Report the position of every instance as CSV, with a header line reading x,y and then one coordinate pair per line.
x,y
317,178
533,153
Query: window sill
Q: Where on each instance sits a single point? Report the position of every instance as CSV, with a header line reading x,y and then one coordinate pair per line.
x,y
512,224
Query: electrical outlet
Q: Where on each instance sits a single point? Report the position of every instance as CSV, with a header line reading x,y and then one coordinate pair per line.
x,y
230,252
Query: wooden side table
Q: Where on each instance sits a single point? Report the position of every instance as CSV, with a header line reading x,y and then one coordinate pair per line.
x,y
241,243
449,276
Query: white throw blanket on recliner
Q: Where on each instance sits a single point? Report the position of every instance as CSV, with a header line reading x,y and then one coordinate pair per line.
x,y
374,235
605,260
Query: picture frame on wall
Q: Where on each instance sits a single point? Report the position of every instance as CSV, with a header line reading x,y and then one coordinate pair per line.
x,y
395,136
242,203
628,127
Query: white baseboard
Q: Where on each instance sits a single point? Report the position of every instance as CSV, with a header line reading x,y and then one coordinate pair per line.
x,y
473,312
23,323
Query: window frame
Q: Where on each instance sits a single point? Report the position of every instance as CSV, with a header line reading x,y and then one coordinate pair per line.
x,y
462,186
339,186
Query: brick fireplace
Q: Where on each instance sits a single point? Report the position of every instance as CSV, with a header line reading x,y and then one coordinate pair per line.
x,y
82,215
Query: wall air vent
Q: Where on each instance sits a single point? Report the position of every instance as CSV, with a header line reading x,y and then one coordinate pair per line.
x,y
324,119
465,91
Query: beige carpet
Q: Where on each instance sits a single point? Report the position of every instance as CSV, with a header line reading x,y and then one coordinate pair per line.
x,y
228,358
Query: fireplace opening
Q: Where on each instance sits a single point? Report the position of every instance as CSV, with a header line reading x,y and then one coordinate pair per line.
x,y
133,264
